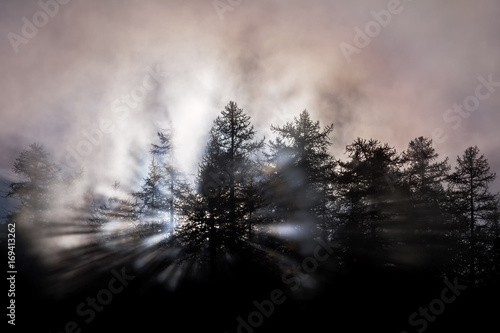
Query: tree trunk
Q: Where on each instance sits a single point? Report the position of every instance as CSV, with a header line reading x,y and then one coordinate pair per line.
x,y
232,200
171,200
212,245
472,256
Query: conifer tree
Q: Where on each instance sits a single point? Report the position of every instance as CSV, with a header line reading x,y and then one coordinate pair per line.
x,y
472,202
226,170
424,177
301,170
38,177
367,184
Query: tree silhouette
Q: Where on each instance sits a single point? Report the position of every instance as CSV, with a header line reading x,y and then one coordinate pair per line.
x,y
39,176
493,220
367,189
423,176
301,169
471,201
285,215
225,203
160,205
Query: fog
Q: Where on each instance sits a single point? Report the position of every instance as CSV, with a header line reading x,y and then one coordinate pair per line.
x,y
180,62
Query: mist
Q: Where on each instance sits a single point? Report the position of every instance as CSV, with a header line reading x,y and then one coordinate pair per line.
x,y
95,81
275,59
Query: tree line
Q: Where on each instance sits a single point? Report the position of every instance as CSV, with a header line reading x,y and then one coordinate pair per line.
x,y
253,199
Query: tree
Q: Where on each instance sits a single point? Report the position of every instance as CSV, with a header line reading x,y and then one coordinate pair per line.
x,y
423,176
301,169
163,192
154,200
368,187
227,167
38,176
494,235
164,151
471,200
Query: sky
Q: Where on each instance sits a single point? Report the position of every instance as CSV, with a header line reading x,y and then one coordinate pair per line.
x,y
94,81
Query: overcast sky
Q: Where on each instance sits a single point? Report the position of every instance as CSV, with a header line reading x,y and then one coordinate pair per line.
x,y
65,75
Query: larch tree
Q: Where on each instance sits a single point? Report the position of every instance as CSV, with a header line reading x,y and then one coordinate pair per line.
x,y
162,195
472,202
38,177
226,170
424,176
368,185
423,173
301,169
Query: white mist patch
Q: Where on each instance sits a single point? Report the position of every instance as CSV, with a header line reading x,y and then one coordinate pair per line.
x,y
154,240
289,230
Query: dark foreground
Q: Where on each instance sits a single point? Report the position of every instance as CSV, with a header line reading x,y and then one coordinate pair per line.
x,y
338,301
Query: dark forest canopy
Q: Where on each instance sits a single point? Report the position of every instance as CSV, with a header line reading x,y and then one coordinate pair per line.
x,y
278,217
382,207
268,203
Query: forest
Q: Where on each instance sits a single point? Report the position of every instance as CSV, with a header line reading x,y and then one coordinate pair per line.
x,y
359,242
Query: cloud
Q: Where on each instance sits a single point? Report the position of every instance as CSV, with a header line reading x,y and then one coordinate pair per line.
x,y
274,58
